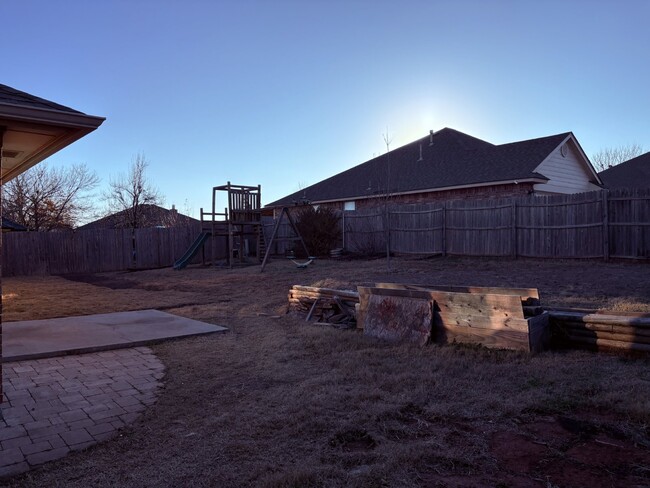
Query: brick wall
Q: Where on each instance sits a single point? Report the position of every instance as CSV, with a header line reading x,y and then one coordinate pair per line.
x,y
476,193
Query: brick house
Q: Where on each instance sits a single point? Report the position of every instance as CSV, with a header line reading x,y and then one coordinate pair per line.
x,y
150,216
450,165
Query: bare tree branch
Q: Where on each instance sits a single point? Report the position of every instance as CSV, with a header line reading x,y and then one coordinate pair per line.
x,y
128,192
611,156
47,198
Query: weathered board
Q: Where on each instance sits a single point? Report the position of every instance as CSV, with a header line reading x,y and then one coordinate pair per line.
x,y
395,318
601,330
529,296
324,304
491,319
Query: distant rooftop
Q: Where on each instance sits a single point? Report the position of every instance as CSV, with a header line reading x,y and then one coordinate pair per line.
x,y
444,159
634,173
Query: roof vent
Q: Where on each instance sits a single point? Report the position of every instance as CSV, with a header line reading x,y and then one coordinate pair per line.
x,y
11,154
420,152
430,137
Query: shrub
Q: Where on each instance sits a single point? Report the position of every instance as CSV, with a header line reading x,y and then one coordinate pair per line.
x,y
320,229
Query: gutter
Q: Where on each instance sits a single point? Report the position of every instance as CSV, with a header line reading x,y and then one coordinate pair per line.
x,y
50,116
425,190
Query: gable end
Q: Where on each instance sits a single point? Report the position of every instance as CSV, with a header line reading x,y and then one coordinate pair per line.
x,y
568,170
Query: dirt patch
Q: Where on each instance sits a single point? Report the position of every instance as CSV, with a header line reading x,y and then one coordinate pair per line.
x,y
571,451
278,402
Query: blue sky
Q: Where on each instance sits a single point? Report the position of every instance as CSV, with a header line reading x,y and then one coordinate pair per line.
x,y
286,93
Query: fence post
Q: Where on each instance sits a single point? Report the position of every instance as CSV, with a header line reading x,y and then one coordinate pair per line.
x,y
343,226
605,204
387,234
513,235
444,229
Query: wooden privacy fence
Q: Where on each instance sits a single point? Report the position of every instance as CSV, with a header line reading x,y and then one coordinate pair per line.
x,y
602,224
93,251
598,224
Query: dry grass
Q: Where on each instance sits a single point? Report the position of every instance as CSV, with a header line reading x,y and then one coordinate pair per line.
x,y
280,403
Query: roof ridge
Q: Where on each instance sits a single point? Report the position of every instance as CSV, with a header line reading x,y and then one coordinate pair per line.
x,y
563,134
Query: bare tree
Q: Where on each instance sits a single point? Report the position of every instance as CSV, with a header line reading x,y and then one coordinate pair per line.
x,y
128,194
48,198
611,156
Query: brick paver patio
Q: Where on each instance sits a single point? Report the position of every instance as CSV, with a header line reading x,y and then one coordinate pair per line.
x,y
56,405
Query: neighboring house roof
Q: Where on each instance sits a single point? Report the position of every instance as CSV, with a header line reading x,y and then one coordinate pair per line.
x,y
32,129
11,225
150,216
445,159
634,173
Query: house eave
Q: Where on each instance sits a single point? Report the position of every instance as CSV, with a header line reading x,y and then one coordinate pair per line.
x,y
48,116
39,133
424,190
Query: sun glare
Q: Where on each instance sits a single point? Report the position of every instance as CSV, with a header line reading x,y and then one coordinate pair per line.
x,y
413,119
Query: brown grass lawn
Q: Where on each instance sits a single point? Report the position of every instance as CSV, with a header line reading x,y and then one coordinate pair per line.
x,y
279,403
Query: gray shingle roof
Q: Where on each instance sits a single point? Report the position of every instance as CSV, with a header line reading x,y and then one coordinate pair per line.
x,y
634,173
150,216
11,225
449,159
12,96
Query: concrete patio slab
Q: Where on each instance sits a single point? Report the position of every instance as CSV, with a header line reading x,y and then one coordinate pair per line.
x,y
33,339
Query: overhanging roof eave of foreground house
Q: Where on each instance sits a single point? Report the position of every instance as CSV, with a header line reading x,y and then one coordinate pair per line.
x,y
20,122
61,118
539,179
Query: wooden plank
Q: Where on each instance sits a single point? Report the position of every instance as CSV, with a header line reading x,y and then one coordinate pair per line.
x,y
641,322
492,338
527,294
619,329
539,332
364,300
480,321
326,291
494,307
608,335
397,319
606,343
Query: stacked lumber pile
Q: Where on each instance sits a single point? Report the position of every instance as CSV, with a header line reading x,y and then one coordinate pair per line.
x,y
325,305
606,330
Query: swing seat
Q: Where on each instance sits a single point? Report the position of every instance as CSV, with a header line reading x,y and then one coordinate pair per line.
x,y
303,265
